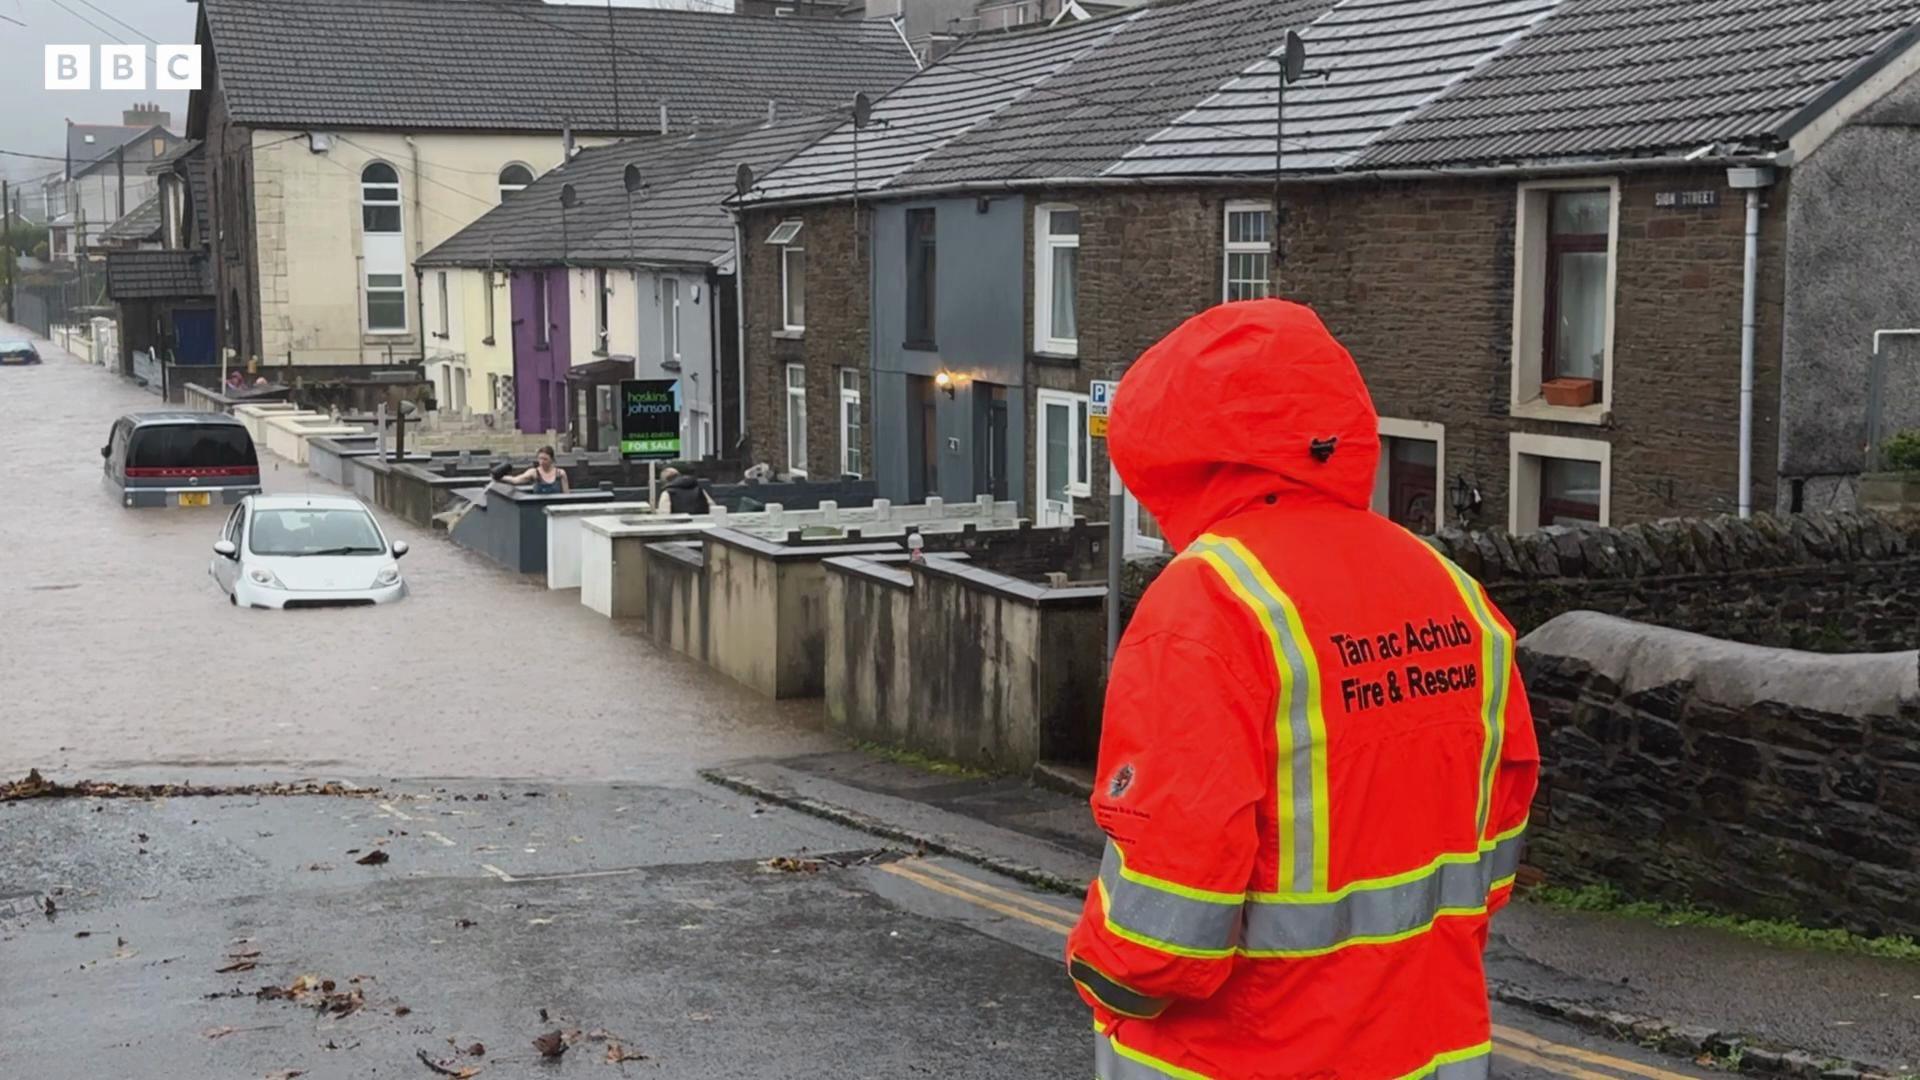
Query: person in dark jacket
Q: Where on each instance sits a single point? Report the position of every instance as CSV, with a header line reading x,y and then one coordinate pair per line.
x,y
684,494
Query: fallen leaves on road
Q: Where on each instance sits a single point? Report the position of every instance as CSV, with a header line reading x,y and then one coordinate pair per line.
x,y
551,1045
286,1074
317,993
219,1032
84,934
448,1067
464,923
787,864
373,858
617,1054
35,786
236,966
47,905
402,1010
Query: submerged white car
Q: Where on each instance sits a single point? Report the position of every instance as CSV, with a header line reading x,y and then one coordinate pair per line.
x,y
305,551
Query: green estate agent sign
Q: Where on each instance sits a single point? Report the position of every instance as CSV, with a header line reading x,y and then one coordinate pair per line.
x,y
650,418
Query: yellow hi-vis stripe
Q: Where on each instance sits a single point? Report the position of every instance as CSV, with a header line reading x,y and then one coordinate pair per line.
x,y
1496,662
1300,780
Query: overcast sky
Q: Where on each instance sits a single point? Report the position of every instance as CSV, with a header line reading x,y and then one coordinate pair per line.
x,y
33,119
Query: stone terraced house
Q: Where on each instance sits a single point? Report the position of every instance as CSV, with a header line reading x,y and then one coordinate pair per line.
x,y
1599,260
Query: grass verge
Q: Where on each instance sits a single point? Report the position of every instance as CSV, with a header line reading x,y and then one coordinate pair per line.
x,y
916,760
1607,899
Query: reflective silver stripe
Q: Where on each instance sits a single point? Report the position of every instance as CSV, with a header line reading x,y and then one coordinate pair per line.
x,y
1167,918
1378,915
1494,706
1110,1064
1300,729
1478,1067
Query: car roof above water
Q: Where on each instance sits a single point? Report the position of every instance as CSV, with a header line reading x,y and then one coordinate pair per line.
x,y
307,502
183,416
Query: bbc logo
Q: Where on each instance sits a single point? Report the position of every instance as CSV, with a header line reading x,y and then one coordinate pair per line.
x,y
123,67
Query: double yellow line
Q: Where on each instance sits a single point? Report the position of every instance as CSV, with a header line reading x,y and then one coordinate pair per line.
x,y
1512,1044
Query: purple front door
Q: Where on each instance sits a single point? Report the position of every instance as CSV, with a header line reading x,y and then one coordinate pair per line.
x,y
540,349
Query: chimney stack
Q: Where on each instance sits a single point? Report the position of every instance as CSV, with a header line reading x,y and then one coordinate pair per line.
x,y
147,114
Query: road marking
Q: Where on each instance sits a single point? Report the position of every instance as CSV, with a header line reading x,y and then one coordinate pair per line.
x,y
1552,1065
437,836
1511,1043
579,874
985,889
401,814
1535,1042
902,871
497,872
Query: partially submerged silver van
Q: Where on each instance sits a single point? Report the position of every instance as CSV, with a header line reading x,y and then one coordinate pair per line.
x,y
180,458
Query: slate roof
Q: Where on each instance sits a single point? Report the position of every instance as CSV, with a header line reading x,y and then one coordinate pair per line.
x,y
1606,78
678,219
520,65
105,137
1381,59
151,275
140,223
1186,88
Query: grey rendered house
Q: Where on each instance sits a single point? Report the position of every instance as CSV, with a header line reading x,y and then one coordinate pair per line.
x,y
1529,221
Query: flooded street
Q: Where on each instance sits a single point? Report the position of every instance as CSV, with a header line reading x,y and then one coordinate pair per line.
x,y
122,656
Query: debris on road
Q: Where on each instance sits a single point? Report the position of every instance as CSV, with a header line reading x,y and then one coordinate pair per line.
x,y
372,858
286,1074
318,993
552,1044
787,864
449,1066
47,905
617,1054
35,786
236,966
219,1032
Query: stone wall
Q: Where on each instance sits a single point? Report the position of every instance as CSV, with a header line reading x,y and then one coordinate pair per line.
x,y
1842,582
1761,781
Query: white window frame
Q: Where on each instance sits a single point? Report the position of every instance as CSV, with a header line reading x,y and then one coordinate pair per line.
x,y
797,432
849,397
440,281
786,288
786,237
670,317
1524,451
1044,243
542,309
1079,449
1533,207
1137,542
370,289
399,205
1427,431
1230,247
486,279
506,188
602,308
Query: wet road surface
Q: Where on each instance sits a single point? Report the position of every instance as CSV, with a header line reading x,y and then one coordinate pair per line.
x,y
133,662
605,885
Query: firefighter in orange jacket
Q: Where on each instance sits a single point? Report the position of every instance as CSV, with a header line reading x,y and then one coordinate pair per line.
x,y
1317,756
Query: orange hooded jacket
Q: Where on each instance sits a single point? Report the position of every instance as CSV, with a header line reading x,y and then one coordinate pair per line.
x,y
1317,757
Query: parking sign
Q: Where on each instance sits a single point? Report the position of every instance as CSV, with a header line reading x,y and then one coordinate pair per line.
x,y
1099,401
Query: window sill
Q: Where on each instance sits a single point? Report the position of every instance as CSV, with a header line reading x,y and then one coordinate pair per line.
x,y
1057,351
1054,360
600,352
388,335
790,334
1597,414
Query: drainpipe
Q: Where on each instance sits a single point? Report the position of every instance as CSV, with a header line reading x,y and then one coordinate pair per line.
x,y
740,322
1750,180
419,234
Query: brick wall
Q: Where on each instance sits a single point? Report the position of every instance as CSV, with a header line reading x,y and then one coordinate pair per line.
x,y
836,335
1416,278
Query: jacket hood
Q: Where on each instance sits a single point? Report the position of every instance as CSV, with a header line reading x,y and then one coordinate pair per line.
x,y
683,482
1242,402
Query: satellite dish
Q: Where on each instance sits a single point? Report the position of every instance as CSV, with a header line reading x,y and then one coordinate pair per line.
x,y
631,178
569,198
743,179
862,109
1295,63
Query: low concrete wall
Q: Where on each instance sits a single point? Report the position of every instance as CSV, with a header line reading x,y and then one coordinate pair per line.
x,y
509,526
677,577
964,663
614,557
1756,780
288,433
564,536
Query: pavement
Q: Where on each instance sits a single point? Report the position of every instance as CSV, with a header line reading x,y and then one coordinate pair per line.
x,y
541,853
